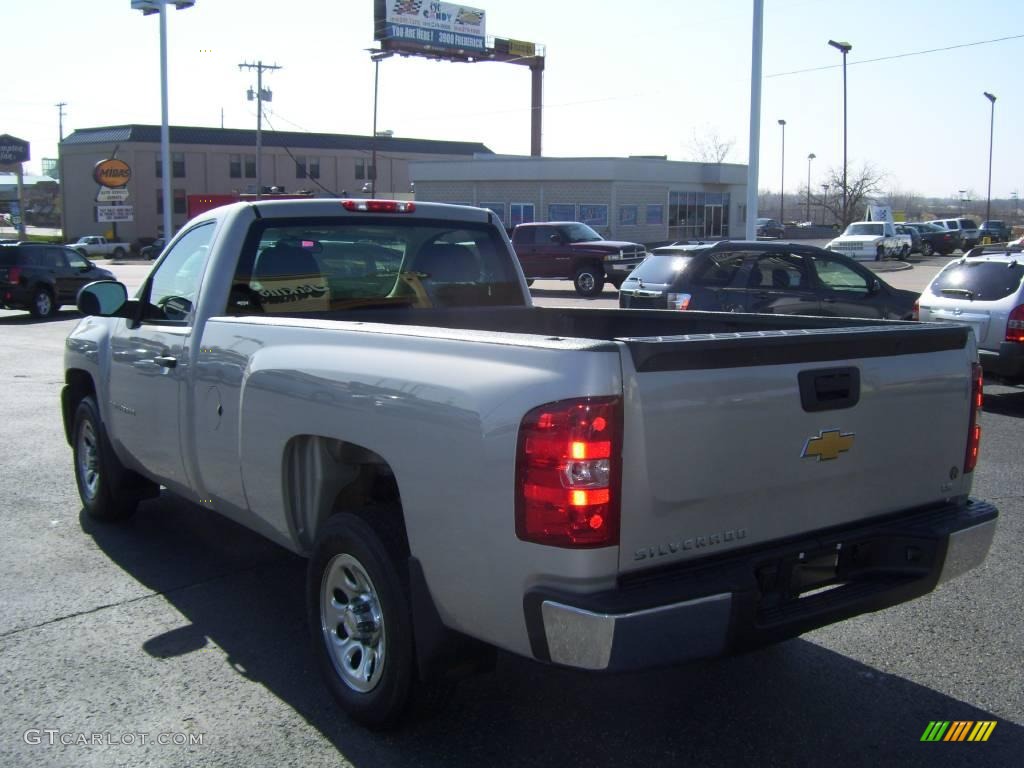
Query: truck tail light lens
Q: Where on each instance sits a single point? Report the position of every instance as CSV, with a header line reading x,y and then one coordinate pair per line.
x,y
916,314
378,206
973,427
1015,325
568,470
679,301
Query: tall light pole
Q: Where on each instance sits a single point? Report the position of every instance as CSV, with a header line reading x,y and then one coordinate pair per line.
x,y
160,6
824,202
1014,198
782,181
757,39
843,48
377,57
961,198
262,94
991,132
809,158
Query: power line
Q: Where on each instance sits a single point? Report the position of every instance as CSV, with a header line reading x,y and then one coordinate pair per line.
x,y
897,56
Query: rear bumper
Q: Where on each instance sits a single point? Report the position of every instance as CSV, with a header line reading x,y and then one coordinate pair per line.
x,y
15,297
1007,361
754,598
621,267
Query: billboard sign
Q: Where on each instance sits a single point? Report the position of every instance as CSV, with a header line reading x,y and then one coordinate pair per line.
x,y
108,195
433,23
111,213
112,173
13,150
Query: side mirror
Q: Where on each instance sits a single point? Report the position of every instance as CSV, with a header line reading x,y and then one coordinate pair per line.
x,y
557,238
875,287
104,298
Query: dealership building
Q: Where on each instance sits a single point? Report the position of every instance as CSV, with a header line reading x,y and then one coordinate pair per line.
x,y
223,161
640,199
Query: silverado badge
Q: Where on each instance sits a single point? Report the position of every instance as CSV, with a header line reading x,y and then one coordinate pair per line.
x,y
828,445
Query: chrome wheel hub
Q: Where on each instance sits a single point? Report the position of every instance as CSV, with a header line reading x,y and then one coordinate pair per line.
x,y
88,461
352,623
43,303
587,281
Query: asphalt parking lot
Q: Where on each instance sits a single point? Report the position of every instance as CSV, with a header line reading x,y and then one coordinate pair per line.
x,y
178,639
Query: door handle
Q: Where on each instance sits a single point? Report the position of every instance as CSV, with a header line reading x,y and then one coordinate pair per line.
x,y
166,361
827,300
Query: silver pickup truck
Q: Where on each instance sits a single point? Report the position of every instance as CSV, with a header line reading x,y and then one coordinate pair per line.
x,y
367,384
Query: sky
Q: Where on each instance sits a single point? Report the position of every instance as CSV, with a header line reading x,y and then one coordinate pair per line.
x,y
648,77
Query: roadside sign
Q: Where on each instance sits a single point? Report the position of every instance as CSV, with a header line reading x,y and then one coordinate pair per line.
x,y
111,213
112,173
109,195
13,150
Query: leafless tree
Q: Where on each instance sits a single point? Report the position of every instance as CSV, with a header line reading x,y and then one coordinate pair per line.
x,y
710,146
861,187
907,201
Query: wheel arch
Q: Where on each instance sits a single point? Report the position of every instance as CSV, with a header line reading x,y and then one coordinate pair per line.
x,y
77,385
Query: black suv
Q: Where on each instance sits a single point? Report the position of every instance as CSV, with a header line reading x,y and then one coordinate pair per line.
x,y
40,277
779,278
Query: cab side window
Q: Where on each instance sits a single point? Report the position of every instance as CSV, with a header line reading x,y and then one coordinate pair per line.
x,y
720,270
840,277
778,272
173,288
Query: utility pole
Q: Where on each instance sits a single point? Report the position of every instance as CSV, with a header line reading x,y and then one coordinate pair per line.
x,y
60,167
259,66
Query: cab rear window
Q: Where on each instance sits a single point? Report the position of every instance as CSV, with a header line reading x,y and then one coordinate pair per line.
x,y
979,280
661,268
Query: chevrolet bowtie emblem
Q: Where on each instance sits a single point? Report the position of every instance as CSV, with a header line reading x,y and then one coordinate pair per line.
x,y
827,445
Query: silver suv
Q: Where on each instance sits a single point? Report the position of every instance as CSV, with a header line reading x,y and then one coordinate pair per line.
x,y
967,228
985,292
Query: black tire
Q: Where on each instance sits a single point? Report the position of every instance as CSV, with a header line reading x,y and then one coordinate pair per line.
x,y
880,253
44,305
589,281
118,253
926,248
101,479
905,251
617,282
357,591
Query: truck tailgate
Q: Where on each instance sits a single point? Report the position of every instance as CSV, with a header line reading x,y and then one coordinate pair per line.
x,y
733,440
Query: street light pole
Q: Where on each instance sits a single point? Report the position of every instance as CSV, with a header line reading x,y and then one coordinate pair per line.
x,y
376,56
809,158
824,202
843,48
961,198
782,181
991,133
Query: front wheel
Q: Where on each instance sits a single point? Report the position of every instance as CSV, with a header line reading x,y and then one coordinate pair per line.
x,y
98,474
119,253
926,249
361,622
880,253
589,281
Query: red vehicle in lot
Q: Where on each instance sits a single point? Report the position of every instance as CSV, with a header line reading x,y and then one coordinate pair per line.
x,y
569,250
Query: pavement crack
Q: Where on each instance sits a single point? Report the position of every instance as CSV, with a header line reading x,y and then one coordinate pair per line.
x,y
141,598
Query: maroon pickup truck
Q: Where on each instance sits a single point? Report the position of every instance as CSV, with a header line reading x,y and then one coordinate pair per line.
x,y
569,250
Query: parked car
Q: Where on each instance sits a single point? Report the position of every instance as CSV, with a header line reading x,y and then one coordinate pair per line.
x,y
967,228
40,277
985,292
996,231
569,250
154,249
776,278
870,241
915,237
935,239
770,228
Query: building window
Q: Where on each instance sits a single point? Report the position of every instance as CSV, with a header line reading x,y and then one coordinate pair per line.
x,y
314,167
159,202
178,165
179,201
698,215
594,215
627,215
655,214
562,212
235,166
300,167
361,169
498,208
250,166
521,213
159,167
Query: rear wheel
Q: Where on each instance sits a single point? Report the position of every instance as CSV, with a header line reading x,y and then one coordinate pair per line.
x,y
905,252
880,253
119,253
926,248
43,304
361,622
589,280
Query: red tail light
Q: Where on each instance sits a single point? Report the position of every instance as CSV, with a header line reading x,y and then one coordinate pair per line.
x,y
568,469
917,311
973,428
378,206
1015,325
14,275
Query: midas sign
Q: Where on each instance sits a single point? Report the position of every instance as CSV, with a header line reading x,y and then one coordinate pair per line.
x,y
112,173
